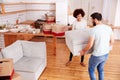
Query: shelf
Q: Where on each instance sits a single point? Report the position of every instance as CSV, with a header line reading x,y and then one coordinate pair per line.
x,y
26,10
11,3
41,3
39,10
14,12
25,3
27,22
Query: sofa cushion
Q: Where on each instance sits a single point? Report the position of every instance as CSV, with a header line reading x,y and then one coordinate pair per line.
x,y
13,51
33,49
28,64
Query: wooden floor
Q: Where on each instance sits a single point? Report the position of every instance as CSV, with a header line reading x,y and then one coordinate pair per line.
x,y
56,69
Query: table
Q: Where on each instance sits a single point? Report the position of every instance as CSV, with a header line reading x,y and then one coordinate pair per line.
x,y
11,37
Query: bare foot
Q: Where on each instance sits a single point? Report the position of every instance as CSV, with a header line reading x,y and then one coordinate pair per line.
x,y
82,64
68,63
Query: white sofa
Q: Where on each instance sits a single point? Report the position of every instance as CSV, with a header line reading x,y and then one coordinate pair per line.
x,y
29,58
76,40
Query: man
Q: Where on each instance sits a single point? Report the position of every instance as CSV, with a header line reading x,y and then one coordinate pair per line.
x,y
102,38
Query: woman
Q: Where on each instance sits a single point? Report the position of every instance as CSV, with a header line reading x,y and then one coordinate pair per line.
x,y
79,23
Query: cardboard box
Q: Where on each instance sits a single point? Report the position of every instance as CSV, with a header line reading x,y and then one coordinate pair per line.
x,y
59,29
6,69
16,76
47,28
50,19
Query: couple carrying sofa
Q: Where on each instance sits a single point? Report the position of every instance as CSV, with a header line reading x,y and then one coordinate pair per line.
x,y
100,39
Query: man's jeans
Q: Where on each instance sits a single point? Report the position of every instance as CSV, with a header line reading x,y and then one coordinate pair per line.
x,y
97,62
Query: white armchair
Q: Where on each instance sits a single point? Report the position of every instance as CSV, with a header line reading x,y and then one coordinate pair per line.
x,y
76,40
29,58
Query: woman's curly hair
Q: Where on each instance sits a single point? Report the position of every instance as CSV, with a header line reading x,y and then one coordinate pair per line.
x,y
77,12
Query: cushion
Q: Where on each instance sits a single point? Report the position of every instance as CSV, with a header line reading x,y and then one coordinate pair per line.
x,y
13,51
47,26
28,64
33,49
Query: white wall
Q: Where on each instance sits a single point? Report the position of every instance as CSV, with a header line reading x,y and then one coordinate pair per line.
x,y
34,15
117,17
111,15
61,13
11,8
109,11
117,21
11,19
44,0
1,1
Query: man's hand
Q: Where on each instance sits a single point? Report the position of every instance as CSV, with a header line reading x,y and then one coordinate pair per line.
x,y
88,46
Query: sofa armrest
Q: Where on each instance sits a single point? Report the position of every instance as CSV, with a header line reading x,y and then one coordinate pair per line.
x,y
34,49
13,51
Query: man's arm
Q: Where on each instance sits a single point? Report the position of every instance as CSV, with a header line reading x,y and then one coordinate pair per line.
x,y
88,46
111,40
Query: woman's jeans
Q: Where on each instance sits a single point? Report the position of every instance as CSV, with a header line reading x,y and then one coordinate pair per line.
x,y
97,62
